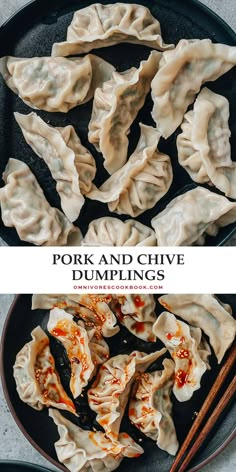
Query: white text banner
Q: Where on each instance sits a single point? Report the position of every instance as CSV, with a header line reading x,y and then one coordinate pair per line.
x,y
117,270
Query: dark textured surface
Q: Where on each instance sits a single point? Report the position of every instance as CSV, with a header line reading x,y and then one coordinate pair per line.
x,y
40,427
14,466
27,38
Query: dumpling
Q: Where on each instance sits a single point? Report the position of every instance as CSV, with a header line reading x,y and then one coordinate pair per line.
x,y
75,340
24,206
137,314
71,164
55,83
37,381
188,350
109,393
99,26
115,106
109,231
208,313
204,146
85,450
181,75
150,407
141,182
93,309
49,301
99,348
189,216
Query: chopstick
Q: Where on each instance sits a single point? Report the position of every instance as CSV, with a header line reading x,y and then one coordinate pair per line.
x,y
209,424
180,465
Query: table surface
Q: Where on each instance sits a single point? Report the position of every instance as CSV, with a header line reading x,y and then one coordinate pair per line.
x,y
13,445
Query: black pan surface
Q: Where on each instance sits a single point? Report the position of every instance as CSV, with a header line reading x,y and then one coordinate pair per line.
x,y
40,429
32,32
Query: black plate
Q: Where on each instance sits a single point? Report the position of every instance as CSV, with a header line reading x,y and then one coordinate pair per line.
x,y
16,466
32,32
42,433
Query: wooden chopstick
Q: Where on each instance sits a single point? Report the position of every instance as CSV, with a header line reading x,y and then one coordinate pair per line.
x,y
209,424
176,467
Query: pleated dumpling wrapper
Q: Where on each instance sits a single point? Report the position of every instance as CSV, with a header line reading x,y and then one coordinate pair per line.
x,y
115,107
136,313
189,351
37,381
100,26
109,231
76,341
24,206
99,348
84,450
150,407
71,164
55,84
203,146
208,313
181,74
141,182
188,218
109,394
93,309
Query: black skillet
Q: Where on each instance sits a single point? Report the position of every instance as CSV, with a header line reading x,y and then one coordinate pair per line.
x,y
32,32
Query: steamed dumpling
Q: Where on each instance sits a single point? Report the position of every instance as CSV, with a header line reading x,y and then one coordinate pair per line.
x,y
205,312
93,309
188,350
24,206
37,381
109,231
188,217
136,313
109,393
181,75
75,340
55,83
99,26
115,106
150,407
71,164
84,450
204,146
99,348
141,182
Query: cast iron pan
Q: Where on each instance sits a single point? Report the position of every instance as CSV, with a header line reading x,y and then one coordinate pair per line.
x,y
40,430
16,466
32,32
